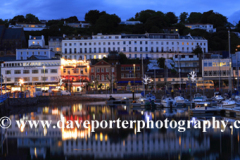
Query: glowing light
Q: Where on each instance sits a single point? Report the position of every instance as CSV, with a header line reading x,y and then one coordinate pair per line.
x,y
45,131
101,136
35,152
106,137
96,137
179,139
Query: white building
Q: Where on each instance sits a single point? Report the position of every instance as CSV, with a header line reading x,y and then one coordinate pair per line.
x,y
208,27
29,27
36,46
152,45
33,72
35,41
80,24
130,22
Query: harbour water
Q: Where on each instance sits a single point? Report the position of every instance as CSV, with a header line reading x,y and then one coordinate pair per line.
x,y
80,143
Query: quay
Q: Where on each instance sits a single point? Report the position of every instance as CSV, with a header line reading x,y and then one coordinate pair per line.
x,y
228,112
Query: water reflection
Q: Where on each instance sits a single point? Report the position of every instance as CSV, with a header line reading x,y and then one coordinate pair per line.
x,y
43,143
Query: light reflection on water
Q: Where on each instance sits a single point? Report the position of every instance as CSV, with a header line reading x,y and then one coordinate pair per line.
x,y
115,143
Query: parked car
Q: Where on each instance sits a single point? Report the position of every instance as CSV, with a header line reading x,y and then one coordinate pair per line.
x,y
66,93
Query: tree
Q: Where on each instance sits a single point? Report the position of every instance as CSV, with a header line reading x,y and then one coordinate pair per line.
x,y
143,16
19,18
161,62
107,23
194,17
30,18
92,16
72,19
197,50
171,18
100,86
183,17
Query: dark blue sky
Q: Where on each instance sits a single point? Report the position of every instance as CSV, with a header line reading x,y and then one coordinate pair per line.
x,y
56,9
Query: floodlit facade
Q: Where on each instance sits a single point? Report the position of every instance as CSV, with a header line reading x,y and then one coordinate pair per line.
x,y
149,45
36,73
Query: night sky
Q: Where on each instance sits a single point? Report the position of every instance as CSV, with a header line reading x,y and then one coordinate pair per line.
x,y
57,9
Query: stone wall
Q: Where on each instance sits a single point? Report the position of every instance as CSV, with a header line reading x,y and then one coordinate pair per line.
x,y
47,99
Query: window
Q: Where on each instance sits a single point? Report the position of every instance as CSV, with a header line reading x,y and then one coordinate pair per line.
x,y
34,78
26,79
130,50
124,49
65,50
17,79
53,78
146,42
80,44
205,64
102,69
53,70
92,70
182,43
8,79
135,49
124,42
46,71
140,49
98,70
122,68
8,72
25,71
146,49
70,44
102,77
106,69
17,71
35,71
122,75
44,78
65,44
210,64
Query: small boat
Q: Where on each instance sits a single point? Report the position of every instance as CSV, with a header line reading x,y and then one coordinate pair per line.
x,y
146,98
218,97
199,98
229,103
180,101
166,101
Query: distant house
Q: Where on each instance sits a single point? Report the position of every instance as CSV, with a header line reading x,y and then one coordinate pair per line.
x,y
79,24
10,40
130,22
29,26
207,27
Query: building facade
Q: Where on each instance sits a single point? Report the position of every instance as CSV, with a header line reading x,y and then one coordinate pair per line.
x,y
44,74
75,74
213,69
188,63
79,24
129,74
207,27
29,27
147,45
55,44
103,73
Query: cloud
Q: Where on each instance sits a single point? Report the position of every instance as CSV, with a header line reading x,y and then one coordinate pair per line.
x,y
235,17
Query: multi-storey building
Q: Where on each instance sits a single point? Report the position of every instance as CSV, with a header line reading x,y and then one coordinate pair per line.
x,y
188,63
103,73
36,46
79,24
75,74
43,74
29,26
129,74
10,40
130,22
152,45
212,69
55,44
207,27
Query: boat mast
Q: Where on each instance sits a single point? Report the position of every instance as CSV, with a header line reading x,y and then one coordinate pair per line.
x,y
229,76
203,76
219,73
143,77
179,75
237,71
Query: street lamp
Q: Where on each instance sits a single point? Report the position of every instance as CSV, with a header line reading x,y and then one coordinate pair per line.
x,y
21,83
44,77
1,74
134,75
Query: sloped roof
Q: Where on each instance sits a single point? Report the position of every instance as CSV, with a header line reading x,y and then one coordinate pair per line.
x,y
12,33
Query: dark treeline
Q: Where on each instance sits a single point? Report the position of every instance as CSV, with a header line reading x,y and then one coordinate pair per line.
x,y
151,22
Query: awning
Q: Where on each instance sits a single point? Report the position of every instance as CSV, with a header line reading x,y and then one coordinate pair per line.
x,y
129,81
